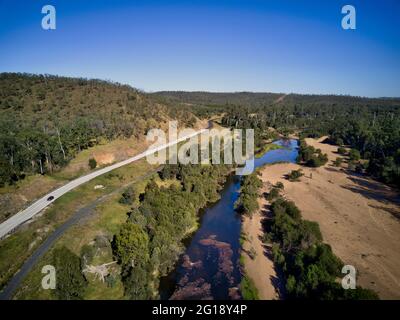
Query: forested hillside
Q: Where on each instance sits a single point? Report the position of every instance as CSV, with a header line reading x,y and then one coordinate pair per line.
x,y
371,126
46,120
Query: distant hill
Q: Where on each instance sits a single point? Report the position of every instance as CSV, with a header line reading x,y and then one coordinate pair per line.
x,y
45,120
219,98
259,99
206,104
369,125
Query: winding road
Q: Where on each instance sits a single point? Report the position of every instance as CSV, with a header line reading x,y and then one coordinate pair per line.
x,y
28,213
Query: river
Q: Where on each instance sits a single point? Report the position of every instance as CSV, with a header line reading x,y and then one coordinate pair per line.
x,y
209,268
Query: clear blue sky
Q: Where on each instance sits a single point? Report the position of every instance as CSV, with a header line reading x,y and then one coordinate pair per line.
x,y
275,46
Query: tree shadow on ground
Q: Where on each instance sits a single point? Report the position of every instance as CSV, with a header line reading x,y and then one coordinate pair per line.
x,y
278,281
372,189
393,212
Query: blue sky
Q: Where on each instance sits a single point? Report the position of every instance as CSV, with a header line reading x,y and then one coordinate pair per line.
x,y
275,46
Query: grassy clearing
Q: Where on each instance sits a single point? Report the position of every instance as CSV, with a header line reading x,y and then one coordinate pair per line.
x,y
167,183
15,249
25,184
105,153
105,221
24,192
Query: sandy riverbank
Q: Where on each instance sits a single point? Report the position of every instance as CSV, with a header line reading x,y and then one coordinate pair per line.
x,y
260,269
358,217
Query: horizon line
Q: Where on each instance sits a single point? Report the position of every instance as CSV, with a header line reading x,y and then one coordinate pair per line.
x,y
148,91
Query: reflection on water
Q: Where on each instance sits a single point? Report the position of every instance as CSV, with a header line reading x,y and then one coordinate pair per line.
x,y
209,268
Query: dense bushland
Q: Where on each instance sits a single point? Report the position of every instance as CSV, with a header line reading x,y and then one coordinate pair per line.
x,y
150,242
71,283
371,126
46,120
310,156
248,199
311,269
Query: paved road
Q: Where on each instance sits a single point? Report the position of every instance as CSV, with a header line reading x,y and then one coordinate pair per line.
x,y
28,213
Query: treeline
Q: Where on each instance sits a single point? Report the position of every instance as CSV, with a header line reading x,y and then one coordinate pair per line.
x,y
206,104
150,242
377,144
247,202
310,156
46,120
369,125
310,268
373,130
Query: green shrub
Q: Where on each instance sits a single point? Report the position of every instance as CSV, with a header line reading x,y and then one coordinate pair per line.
x,y
248,289
354,155
308,264
252,253
70,283
274,193
248,199
338,162
342,151
131,245
128,196
279,185
310,156
150,242
295,175
92,163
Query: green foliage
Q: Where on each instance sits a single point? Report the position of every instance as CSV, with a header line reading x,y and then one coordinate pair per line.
x,y
279,185
371,126
252,253
295,175
92,163
311,157
70,283
111,280
342,151
131,246
169,171
248,289
47,120
138,283
152,236
360,294
274,193
87,254
339,142
248,199
338,162
243,238
309,265
261,146
354,155
128,196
